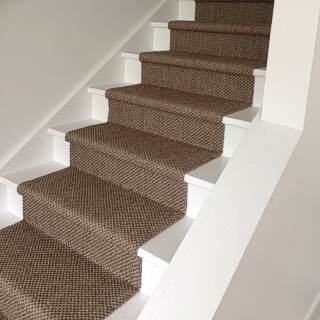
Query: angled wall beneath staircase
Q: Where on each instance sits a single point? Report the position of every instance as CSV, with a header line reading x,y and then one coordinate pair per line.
x,y
48,49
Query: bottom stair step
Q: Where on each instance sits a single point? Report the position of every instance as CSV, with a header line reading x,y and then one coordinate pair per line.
x,y
40,278
96,218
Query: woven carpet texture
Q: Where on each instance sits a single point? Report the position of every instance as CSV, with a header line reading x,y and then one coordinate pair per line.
x,y
74,256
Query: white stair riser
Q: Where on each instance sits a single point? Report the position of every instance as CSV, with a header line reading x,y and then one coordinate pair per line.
x,y
14,202
100,107
161,39
195,200
232,138
186,10
151,275
259,82
132,70
61,151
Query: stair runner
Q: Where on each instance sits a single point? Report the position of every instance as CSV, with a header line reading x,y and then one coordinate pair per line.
x,y
74,256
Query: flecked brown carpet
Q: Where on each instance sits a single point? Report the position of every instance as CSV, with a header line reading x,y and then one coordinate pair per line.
x,y
74,256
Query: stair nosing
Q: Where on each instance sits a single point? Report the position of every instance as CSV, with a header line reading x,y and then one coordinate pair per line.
x,y
223,28
7,219
162,25
158,251
214,64
207,175
130,55
13,179
167,101
101,89
61,130
242,118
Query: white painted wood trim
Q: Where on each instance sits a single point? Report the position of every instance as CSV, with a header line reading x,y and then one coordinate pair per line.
x,y
101,90
12,180
242,118
7,219
260,72
162,248
130,55
208,174
159,25
186,10
314,311
256,165
196,198
61,131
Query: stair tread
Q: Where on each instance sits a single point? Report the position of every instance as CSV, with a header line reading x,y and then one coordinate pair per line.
x,y
101,89
130,218
199,106
12,180
241,118
202,61
208,174
234,0
161,249
61,130
152,152
7,219
262,29
41,277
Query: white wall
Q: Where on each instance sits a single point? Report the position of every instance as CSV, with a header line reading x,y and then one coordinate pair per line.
x,y
48,48
293,33
278,277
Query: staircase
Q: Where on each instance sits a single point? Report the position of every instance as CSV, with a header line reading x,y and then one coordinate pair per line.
x,y
100,227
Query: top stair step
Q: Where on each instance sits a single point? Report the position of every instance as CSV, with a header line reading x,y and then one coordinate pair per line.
x,y
231,28
260,1
234,11
249,41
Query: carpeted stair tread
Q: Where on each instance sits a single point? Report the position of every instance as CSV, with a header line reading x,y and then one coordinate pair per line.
x,y
247,41
42,279
231,65
234,11
235,1
155,153
197,106
262,29
126,217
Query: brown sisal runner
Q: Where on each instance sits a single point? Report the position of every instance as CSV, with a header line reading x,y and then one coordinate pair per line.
x,y
75,254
